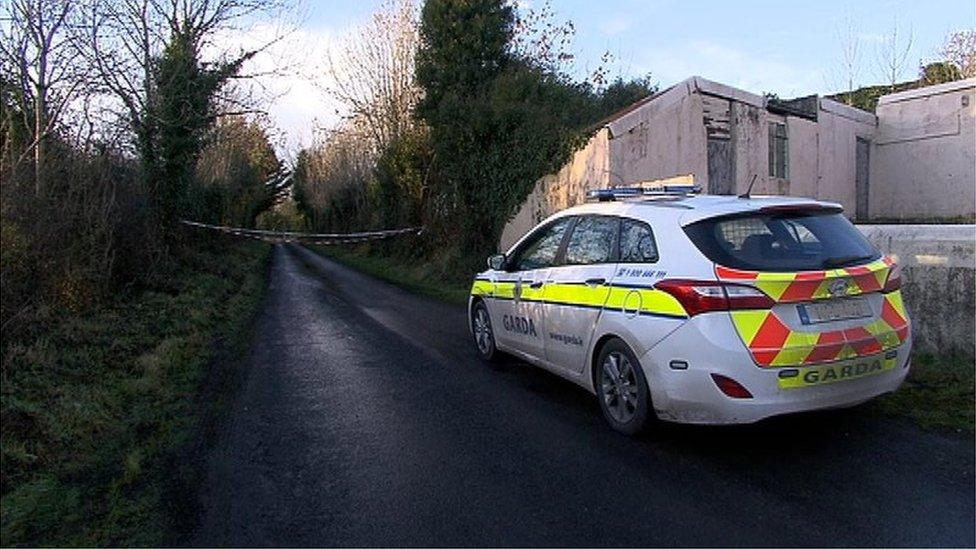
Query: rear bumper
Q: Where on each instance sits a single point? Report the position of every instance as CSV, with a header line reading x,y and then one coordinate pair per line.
x,y
709,344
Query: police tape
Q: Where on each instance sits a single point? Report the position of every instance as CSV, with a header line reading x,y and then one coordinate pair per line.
x,y
306,238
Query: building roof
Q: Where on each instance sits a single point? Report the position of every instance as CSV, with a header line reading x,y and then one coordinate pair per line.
x,y
927,91
801,107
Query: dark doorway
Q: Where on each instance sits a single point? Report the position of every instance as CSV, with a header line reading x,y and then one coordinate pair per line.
x,y
861,183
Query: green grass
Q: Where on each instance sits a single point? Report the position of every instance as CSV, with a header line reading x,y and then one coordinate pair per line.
x,y
99,409
418,277
938,394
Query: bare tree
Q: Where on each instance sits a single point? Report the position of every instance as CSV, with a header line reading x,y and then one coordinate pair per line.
x,y
850,48
960,50
372,72
893,52
38,48
335,170
539,36
125,37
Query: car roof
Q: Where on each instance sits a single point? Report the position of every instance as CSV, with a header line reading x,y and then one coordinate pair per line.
x,y
687,209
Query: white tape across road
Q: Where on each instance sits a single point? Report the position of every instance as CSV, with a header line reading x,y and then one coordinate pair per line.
x,y
308,238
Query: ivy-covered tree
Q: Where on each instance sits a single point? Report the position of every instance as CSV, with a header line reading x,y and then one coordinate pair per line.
x,y
498,120
465,46
180,116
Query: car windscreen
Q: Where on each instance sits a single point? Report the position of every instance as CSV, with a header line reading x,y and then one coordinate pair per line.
x,y
782,241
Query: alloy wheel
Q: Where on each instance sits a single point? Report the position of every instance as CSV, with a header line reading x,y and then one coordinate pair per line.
x,y
619,388
482,331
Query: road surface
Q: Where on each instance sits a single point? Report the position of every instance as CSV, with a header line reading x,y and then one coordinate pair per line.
x,y
367,419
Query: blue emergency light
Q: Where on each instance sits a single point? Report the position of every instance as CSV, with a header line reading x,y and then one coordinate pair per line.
x,y
618,193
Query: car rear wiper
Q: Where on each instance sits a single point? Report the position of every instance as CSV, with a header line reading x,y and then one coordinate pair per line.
x,y
844,260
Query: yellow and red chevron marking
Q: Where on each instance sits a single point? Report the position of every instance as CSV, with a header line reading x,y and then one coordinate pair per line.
x,y
772,343
810,285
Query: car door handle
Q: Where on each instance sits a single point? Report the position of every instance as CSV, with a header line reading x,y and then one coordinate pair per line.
x,y
535,285
596,281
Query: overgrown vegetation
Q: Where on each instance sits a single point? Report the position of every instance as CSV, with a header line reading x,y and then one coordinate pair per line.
x,y
866,97
90,197
117,118
957,61
98,407
494,108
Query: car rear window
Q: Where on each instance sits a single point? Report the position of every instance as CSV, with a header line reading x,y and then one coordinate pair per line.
x,y
782,241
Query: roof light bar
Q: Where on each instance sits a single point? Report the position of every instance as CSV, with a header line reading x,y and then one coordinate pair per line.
x,y
616,193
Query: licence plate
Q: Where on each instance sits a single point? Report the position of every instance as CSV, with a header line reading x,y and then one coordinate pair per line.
x,y
834,309
831,373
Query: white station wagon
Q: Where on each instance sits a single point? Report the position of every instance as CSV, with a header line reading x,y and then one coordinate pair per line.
x,y
699,309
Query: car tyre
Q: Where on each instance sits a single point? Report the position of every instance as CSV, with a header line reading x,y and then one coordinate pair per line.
x,y
484,335
622,389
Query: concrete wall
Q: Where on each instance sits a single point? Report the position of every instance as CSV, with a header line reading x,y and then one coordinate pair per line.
x,y
750,135
923,162
804,157
838,127
588,169
939,280
663,138
667,137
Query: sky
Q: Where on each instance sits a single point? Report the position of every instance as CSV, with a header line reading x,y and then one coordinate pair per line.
x,y
787,48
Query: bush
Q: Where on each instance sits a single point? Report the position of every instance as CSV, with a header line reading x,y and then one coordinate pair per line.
x,y
86,235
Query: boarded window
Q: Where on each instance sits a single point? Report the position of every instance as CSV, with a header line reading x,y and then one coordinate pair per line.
x,y
779,145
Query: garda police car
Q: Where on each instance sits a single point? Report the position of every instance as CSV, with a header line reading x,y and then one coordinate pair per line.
x,y
699,309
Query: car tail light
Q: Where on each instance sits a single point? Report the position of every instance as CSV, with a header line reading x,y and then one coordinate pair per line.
x,y
702,296
730,387
894,279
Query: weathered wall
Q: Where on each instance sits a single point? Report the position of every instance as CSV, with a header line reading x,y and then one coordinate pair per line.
x,y
839,126
938,284
923,162
804,157
750,137
588,169
663,138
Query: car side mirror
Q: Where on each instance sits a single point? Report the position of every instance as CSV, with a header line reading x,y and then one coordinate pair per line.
x,y
496,262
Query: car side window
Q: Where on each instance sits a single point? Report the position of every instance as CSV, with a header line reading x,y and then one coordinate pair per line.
x,y
541,251
637,243
592,240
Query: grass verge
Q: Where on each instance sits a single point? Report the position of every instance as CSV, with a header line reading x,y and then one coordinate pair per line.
x,y
939,394
415,276
99,408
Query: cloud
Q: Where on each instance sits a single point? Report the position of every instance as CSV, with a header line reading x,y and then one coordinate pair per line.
x,y
732,66
286,78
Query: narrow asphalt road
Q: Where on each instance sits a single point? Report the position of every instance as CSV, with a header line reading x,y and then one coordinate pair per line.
x,y
367,419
